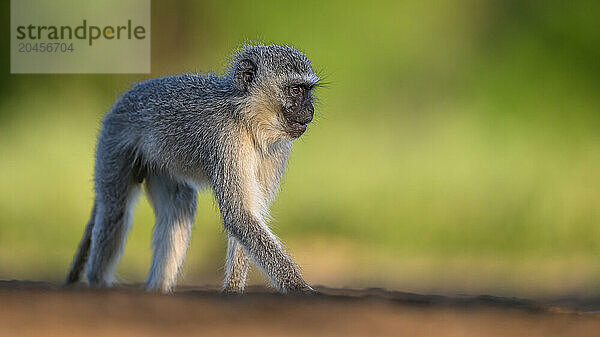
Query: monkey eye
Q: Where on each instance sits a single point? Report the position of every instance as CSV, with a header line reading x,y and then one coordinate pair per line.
x,y
297,90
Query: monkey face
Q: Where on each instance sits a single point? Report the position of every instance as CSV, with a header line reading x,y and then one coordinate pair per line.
x,y
298,110
276,85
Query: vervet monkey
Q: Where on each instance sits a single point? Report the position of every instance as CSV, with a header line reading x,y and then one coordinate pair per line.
x,y
178,134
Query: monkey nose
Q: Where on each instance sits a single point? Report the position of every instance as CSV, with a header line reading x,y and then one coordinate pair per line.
x,y
307,116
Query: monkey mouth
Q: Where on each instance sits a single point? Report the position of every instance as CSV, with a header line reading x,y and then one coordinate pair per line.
x,y
296,129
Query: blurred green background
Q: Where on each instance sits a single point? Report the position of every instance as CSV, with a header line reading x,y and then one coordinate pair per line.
x,y
456,150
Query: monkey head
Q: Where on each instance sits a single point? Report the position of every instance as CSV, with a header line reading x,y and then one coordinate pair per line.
x,y
276,86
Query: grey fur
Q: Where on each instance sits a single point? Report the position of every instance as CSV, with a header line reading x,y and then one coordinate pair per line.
x,y
236,268
180,133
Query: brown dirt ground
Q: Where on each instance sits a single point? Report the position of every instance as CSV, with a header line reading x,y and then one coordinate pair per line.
x,y
43,309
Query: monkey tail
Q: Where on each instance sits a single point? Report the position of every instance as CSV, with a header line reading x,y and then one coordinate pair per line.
x,y
82,252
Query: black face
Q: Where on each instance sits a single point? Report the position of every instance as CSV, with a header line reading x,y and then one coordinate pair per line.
x,y
299,111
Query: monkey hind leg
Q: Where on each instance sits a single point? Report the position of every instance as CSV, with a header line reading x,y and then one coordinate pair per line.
x,y
82,252
117,188
236,267
174,205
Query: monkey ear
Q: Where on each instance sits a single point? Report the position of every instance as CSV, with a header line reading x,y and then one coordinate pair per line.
x,y
245,73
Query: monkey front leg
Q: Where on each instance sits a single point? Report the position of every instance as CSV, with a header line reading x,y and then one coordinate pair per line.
x,y
265,250
258,241
236,267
